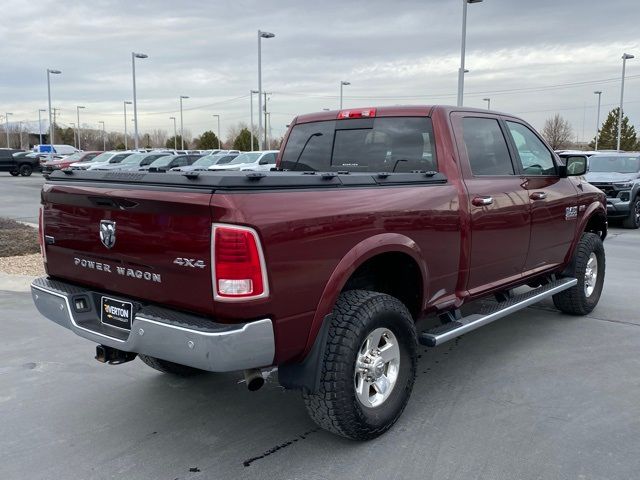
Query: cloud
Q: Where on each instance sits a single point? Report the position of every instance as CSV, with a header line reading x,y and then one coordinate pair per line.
x,y
532,59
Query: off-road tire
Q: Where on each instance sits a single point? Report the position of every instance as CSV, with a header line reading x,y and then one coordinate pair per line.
x,y
25,170
165,366
632,221
14,173
335,406
574,301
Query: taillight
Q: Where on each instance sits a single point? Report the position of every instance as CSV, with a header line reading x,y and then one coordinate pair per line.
x,y
238,267
43,249
357,113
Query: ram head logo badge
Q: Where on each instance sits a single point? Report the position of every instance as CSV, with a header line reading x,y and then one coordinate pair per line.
x,y
108,233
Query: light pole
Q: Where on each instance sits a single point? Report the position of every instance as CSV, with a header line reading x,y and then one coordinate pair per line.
x,y
625,57
488,100
6,122
251,92
261,35
125,123
599,93
104,137
182,97
175,133
40,123
218,129
462,49
78,107
342,84
135,55
73,128
51,129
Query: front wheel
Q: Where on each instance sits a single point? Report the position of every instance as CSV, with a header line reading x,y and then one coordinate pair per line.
x,y
588,266
14,173
633,220
369,366
26,170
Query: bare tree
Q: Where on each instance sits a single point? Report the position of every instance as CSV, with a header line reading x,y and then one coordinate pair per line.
x,y
158,138
558,132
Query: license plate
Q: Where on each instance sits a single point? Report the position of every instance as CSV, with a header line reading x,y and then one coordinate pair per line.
x,y
116,313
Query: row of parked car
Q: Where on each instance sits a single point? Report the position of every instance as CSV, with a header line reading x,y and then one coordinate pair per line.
x,y
165,161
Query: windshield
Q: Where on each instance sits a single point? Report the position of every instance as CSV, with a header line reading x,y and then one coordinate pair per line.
x,y
206,161
220,159
618,163
140,159
74,157
163,161
245,158
103,157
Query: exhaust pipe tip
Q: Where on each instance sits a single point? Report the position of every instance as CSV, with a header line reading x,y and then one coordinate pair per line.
x,y
254,379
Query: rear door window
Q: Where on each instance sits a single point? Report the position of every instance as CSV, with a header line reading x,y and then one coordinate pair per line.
x,y
486,147
390,144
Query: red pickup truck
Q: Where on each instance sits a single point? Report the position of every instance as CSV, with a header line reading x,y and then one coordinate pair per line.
x,y
375,219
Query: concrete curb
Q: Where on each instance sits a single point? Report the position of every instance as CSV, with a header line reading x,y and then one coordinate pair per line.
x,y
15,283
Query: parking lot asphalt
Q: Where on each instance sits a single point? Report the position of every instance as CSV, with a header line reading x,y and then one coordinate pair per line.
x,y
20,196
537,395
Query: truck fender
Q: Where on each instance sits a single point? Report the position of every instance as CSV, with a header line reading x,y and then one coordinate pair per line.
x,y
305,373
592,210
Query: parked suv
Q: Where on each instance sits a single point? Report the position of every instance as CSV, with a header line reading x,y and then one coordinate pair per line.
x,y
79,157
618,176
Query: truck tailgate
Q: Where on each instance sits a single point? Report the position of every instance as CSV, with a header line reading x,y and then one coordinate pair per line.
x,y
161,245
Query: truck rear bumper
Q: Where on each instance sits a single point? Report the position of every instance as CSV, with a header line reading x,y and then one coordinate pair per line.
x,y
158,332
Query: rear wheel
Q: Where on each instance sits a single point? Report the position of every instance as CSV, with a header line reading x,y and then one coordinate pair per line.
x,y
588,266
633,220
26,170
369,366
165,366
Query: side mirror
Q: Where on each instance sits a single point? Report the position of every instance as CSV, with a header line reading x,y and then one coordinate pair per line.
x,y
576,166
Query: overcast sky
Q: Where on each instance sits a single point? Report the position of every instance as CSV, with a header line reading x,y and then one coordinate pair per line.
x,y
532,58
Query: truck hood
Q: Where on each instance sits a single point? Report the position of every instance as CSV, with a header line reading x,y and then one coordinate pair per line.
x,y
610,177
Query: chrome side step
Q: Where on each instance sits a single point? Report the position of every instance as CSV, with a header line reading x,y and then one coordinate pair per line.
x,y
448,331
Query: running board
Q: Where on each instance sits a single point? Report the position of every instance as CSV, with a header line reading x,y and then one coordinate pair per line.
x,y
448,331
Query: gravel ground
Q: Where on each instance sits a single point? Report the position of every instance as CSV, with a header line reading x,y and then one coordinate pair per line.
x,y
22,265
17,238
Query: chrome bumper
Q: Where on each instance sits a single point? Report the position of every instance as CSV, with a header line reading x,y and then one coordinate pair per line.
x,y
167,334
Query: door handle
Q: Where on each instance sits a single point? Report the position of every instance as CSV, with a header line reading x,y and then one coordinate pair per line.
x,y
482,201
538,196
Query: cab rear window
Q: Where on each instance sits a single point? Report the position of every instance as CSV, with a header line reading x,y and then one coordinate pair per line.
x,y
385,144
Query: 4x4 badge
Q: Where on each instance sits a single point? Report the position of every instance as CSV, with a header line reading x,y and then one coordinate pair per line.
x,y
108,233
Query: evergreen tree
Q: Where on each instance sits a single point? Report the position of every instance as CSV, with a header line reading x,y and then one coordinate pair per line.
x,y
208,141
243,141
170,143
608,138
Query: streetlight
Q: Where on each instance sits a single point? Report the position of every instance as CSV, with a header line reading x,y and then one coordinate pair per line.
x,y
182,97
135,55
6,119
488,100
51,129
104,137
175,133
342,84
261,35
125,123
218,129
40,123
78,107
462,49
625,57
251,92
599,93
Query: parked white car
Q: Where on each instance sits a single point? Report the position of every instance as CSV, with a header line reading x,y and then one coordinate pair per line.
x,y
250,161
55,149
104,158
